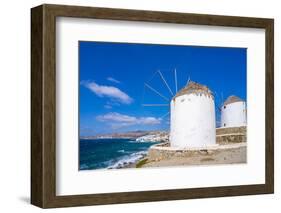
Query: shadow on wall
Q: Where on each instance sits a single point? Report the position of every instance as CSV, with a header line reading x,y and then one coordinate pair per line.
x,y
25,199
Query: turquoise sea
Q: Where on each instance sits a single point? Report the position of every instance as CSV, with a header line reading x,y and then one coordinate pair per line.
x,y
110,153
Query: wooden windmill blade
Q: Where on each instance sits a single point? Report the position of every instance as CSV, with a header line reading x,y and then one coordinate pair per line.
x,y
176,81
155,91
149,105
165,82
218,106
188,80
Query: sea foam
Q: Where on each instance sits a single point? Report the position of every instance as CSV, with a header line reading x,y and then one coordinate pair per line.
x,y
128,159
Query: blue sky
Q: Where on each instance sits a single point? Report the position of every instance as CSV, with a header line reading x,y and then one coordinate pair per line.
x,y
112,77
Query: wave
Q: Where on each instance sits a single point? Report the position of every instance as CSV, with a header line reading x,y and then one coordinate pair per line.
x,y
128,159
132,141
83,167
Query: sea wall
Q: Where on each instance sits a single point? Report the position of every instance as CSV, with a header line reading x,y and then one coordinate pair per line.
x,y
163,152
231,135
230,147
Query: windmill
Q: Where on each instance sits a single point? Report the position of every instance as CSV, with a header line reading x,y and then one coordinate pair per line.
x,y
233,112
192,113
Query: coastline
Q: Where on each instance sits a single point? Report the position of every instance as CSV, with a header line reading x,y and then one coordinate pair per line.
x,y
111,153
135,164
230,156
230,148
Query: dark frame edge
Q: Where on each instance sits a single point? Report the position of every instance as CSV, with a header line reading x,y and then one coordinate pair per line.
x,y
43,110
157,196
269,105
37,197
156,16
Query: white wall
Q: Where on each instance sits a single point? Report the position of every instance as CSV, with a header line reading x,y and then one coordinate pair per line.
x,y
233,114
15,107
193,122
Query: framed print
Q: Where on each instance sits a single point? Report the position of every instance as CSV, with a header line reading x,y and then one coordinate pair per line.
x,y
136,106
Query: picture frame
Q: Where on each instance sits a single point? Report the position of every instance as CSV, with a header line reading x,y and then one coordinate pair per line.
x,y
43,105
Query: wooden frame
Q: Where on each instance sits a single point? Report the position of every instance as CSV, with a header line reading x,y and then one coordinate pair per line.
x,y
43,105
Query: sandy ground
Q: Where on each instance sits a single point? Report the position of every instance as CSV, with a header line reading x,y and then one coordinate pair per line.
x,y
231,156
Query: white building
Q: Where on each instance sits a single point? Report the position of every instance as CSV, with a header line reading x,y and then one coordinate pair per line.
x,y
233,112
193,117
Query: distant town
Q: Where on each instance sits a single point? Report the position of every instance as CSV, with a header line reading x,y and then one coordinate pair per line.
x,y
139,136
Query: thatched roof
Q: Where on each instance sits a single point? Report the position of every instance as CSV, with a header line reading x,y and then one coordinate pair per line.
x,y
194,88
232,99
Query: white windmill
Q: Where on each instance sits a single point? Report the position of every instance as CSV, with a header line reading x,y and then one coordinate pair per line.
x,y
233,112
192,114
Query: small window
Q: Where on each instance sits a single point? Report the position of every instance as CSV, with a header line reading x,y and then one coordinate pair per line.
x,y
224,124
224,107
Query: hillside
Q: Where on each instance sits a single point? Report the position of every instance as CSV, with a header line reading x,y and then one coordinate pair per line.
x,y
131,134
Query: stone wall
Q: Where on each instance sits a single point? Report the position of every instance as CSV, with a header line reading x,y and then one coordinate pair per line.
x,y
230,147
156,153
220,154
231,130
231,135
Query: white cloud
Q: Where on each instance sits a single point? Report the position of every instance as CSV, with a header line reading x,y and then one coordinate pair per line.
x,y
108,91
107,106
121,120
113,80
116,117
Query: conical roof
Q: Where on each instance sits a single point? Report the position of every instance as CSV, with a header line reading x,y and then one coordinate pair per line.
x,y
194,88
232,99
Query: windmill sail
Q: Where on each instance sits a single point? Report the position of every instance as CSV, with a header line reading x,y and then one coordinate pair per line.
x,y
188,80
176,80
165,115
149,105
155,91
165,82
